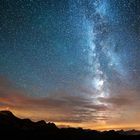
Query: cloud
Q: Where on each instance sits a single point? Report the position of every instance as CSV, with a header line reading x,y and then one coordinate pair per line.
x,y
124,108
118,101
71,110
60,108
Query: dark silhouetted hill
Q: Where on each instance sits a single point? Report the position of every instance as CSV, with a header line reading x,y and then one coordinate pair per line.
x,y
12,127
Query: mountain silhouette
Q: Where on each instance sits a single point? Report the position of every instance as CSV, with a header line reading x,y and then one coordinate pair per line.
x,y
12,127
9,121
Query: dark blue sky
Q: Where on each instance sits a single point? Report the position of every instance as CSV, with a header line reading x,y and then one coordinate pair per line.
x,y
83,48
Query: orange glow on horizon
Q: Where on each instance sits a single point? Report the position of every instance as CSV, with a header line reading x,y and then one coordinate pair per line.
x,y
94,126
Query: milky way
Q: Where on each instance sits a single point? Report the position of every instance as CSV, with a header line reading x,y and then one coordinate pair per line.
x,y
74,61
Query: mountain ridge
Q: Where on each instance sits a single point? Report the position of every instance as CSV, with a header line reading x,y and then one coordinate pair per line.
x,y
14,126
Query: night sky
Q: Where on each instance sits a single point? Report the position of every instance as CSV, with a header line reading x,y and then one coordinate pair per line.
x,y
72,62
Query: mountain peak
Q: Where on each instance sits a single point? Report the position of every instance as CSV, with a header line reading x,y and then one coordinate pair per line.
x,y
6,113
8,119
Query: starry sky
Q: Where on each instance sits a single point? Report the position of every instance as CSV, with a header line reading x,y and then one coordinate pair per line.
x,y
72,62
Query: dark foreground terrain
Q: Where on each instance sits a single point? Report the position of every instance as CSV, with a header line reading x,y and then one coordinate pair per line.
x,y
12,128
